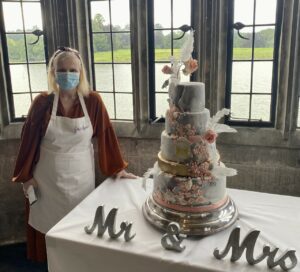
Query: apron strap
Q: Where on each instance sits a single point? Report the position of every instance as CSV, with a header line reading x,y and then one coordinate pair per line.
x,y
86,115
54,106
55,103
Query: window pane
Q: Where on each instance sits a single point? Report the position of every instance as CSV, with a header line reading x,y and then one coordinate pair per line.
x,y
265,11
38,77
260,109
36,51
108,100
104,77
262,77
102,47
22,103
264,43
181,13
121,46
16,48
124,106
32,16
19,78
120,15
12,17
100,16
239,106
162,54
241,77
242,49
243,11
162,40
123,78
161,104
162,14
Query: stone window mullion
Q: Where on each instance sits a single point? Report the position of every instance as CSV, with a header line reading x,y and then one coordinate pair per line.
x,y
211,45
288,82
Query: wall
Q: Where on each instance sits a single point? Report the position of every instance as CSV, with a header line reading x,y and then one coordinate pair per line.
x,y
265,169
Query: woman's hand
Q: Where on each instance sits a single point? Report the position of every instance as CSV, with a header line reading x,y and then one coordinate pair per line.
x,y
27,184
124,174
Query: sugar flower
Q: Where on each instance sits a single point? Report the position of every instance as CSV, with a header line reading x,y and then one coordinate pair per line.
x,y
167,70
210,136
190,66
186,62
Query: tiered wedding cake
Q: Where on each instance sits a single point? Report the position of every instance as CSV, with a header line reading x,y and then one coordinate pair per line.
x,y
189,178
184,179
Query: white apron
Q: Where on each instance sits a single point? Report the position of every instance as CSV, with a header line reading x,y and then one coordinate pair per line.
x,y
65,172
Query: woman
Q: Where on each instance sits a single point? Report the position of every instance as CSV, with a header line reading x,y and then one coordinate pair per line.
x,y
56,155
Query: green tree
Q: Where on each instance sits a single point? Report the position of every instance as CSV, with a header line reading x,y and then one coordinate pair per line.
x,y
98,22
263,39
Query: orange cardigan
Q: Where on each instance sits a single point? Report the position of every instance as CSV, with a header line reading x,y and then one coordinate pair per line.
x,y
110,158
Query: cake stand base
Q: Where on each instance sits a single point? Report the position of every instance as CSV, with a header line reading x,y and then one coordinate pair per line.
x,y
192,224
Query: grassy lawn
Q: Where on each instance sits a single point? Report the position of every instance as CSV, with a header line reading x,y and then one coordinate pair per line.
x,y
123,55
259,53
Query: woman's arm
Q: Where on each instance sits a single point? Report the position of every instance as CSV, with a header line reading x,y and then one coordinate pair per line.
x,y
109,154
30,140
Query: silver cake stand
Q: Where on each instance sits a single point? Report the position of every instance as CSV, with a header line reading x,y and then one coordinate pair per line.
x,y
192,224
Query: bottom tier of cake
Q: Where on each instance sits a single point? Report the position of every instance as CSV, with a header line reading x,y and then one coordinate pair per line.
x,y
188,194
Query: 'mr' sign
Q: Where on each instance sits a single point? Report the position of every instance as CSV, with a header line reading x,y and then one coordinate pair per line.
x,y
110,224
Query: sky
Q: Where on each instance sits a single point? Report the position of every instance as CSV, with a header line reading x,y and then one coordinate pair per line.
x,y
120,12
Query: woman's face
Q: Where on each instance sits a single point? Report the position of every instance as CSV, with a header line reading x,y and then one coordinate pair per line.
x,y
67,62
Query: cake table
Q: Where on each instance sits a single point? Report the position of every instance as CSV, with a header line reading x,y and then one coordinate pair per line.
x,y
69,248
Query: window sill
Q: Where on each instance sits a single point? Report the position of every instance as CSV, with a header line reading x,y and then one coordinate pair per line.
x,y
245,135
253,136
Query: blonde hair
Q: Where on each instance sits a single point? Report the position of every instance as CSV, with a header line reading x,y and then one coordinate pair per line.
x,y
83,86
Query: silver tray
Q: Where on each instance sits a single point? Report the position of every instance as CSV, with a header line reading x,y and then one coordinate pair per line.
x,y
192,224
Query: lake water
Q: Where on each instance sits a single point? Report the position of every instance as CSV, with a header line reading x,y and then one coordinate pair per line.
x,y
122,108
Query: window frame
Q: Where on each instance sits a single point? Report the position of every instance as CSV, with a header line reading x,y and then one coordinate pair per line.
x,y
9,91
112,63
210,21
275,62
151,53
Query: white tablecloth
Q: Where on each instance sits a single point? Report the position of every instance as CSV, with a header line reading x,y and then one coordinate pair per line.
x,y
69,248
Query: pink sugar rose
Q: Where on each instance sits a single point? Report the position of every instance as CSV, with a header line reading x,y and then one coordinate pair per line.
x,y
190,66
167,70
210,136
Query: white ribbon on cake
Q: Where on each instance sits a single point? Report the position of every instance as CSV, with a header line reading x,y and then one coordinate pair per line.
x,y
219,128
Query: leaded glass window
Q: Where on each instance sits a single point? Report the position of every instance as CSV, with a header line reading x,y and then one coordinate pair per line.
x,y
24,53
253,43
165,18
111,56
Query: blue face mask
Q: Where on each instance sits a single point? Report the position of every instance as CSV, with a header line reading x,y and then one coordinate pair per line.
x,y
67,80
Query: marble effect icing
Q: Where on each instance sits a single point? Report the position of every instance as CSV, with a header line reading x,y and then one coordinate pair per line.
x,y
189,96
177,121
182,149
187,193
183,179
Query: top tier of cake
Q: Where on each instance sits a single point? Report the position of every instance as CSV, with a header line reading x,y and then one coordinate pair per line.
x,y
189,96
